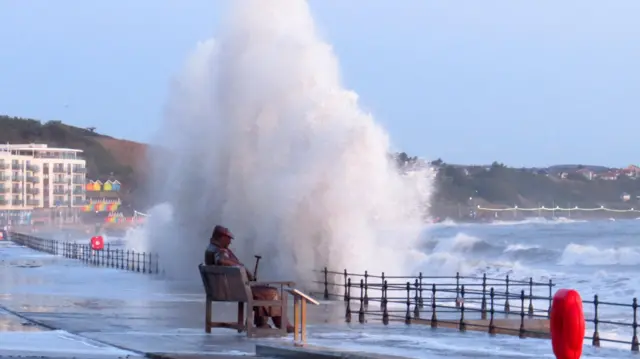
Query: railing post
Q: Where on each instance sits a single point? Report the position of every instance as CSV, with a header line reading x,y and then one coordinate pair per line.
x,y
385,313
361,310
326,283
420,283
109,256
127,263
492,327
416,306
550,298
530,309
157,263
138,262
596,335
366,290
347,296
383,296
407,317
144,262
434,318
522,314
634,340
483,305
150,263
457,289
507,307
462,326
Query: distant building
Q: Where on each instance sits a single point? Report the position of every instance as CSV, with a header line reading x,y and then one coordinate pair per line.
x,y
609,176
587,173
632,171
34,176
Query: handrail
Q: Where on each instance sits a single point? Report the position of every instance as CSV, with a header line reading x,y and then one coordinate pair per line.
x,y
300,301
119,258
506,307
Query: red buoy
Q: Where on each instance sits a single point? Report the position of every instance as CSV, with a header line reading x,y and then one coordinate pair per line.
x,y
97,243
567,324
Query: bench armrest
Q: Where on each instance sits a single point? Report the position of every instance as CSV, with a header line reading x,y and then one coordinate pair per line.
x,y
287,283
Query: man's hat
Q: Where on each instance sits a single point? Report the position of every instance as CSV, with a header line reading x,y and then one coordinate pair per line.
x,y
221,231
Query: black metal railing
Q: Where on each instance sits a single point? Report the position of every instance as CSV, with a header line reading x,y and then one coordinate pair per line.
x,y
481,303
118,258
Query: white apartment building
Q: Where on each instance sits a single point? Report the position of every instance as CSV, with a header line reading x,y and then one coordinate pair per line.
x,y
36,176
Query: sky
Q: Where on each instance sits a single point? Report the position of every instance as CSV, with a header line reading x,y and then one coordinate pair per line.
x,y
526,83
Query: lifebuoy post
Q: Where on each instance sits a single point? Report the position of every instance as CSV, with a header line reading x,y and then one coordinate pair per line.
x,y
567,324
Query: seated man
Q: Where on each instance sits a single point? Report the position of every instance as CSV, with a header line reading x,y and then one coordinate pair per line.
x,y
218,253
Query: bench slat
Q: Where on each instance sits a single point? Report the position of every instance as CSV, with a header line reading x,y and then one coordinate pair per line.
x,y
225,284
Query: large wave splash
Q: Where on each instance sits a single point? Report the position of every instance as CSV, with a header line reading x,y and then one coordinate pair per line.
x,y
261,136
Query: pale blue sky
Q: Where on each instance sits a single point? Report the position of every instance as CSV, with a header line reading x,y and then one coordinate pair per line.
x,y
523,82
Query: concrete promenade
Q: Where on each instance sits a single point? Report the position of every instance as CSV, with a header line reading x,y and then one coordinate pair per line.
x,y
57,307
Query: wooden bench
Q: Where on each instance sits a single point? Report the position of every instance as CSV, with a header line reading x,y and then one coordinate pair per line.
x,y
230,284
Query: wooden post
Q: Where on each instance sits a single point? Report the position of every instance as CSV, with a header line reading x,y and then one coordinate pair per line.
x,y
303,320
296,319
241,315
207,315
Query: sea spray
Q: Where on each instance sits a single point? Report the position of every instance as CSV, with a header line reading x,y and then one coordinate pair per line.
x,y
260,136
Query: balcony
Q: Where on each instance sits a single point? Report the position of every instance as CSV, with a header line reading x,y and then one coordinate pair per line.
x,y
58,169
17,178
33,202
33,168
79,191
60,191
33,190
17,202
60,180
33,179
4,166
79,170
16,166
4,178
4,190
79,181
16,189
4,202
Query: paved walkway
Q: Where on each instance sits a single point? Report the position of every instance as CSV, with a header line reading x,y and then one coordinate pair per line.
x,y
102,312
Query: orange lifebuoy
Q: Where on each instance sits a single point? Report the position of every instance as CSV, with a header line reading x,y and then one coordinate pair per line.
x,y
97,243
567,324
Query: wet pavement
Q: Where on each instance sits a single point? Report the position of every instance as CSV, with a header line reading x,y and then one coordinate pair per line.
x,y
107,313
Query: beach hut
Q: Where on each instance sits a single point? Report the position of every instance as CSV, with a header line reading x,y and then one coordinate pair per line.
x,y
97,186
